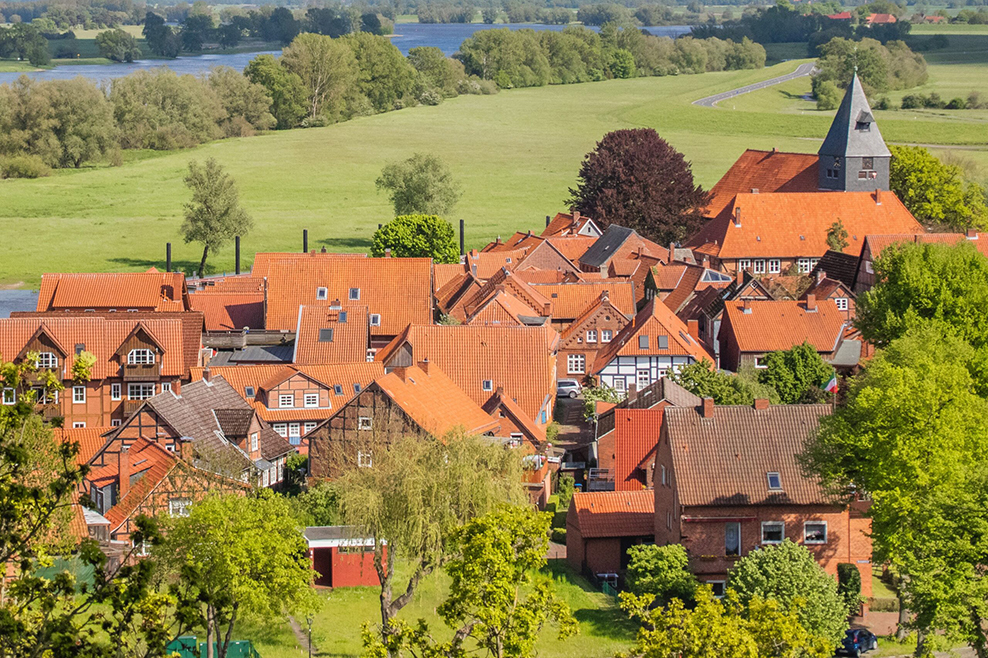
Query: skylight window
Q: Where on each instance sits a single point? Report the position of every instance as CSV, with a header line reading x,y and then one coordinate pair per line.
x,y
248,391
356,388
337,389
488,385
325,335
354,294
321,293
663,342
375,320
774,482
643,342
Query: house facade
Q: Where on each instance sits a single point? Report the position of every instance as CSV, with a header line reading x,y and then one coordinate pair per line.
x,y
587,334
602,525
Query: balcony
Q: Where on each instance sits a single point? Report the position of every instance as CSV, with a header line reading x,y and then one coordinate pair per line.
x,y
144,372
600,479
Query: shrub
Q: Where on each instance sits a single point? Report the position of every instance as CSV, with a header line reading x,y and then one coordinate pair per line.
x,y
23,166
883,103
883,605
828,96
430,97
559,535
849,585
662,571
565,488
912,101
957,104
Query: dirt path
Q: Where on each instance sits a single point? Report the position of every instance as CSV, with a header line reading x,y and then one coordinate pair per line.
x,y
302,636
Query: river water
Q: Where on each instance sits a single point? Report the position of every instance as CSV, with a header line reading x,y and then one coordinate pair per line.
x,y
445,36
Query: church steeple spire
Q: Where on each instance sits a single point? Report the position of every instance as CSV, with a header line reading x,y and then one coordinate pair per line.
x,y
854,157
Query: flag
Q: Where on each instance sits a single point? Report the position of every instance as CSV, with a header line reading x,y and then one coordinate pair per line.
x,y
831,386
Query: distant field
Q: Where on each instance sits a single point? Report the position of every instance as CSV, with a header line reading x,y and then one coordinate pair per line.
x,y
515,153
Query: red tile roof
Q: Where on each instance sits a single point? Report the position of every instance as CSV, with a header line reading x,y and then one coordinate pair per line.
x,y
229,311
434,402
600,514
636,435
443,273
151,291
765,171
783,324
483,264
570,300
397,289
261,266
572,247
563,224
576,325
501,308
655,319
348,342
789,225
90,440
501,403
521,359
879,243
842,16
881,18
148,459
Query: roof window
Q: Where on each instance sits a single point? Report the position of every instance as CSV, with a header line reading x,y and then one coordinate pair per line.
x,y
375,320
774,482
663,342
356,388
80,348
342,317
325,335
487,385
643,342
248,391
322,293
337,389
354,294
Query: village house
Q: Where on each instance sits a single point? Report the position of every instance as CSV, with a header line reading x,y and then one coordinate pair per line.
x,y
874,245
569,301
332,335
752,329
138,355
618,243
653,344
210,426
230,304
602,525
294,399
570,224
341,557
114,292
728,482
824,288
594,329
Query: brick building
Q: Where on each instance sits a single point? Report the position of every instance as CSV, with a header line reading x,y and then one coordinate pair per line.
x,y
728,481
602,525
588,333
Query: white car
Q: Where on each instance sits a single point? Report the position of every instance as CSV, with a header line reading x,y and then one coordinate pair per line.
x,y
568,388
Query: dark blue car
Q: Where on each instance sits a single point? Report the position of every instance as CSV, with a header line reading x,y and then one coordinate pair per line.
x,y
856,642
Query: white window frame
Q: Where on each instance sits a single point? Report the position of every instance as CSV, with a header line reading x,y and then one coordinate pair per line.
x,y
116,391
842,303
732,523
311,400
265,478
576,364
760,362
817,542
116,422
620,385
772,524
606,335
723,587
166,387
354,294
375,319
179,506
365,423
79,424
308,427
638,378
803,265
365,459
768,480
487,385
78,395
140,357
9,396
759,266
286,396
744,264
253,441
139,387
281,429
774,265
46,360
592,336
322,293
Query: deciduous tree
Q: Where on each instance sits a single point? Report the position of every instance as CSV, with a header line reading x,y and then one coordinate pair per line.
x,y
287,91
837,236
634,178
214,215
934,192
117,45
420,185
417,236
701,379
328,70
247,104
662,571
797,374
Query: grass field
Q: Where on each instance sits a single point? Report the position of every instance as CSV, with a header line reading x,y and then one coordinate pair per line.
x,y
515,153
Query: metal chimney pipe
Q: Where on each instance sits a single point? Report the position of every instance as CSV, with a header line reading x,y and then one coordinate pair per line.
x,y
168,256
547,220
379,226
237,241
305,241
462,231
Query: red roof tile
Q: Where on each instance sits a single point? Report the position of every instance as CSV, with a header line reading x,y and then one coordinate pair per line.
x,y
566,224
765,171
327,335
783,324
230,311
483,264
150,291
148,459
655,319
636,434
261,266
90,440
881,18
601,514
443,273
570,300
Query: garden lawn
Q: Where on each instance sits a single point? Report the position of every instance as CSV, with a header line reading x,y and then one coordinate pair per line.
x,y
516,154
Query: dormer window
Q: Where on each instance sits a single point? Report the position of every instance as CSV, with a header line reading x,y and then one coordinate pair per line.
x,y
863,126
140,357
47,360
80,348
322,293
487,385
354,294
774,482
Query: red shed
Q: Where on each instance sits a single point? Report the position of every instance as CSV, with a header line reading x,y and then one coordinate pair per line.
x,y
341,558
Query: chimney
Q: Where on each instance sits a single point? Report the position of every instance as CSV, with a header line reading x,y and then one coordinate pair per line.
x,y
387,252
972,234
576,216
739,277
399,372
693,326
305,240
424,366
761,404
123,468
810,303
547,220
168,256
820,276
499,391
205,374
323,250
878,196
754,190
705,262
237,259
632,392
672,251
746,308
185,450
708,408
737,217
462,236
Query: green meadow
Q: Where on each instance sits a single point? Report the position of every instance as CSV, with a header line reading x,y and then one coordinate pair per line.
x,y
516,154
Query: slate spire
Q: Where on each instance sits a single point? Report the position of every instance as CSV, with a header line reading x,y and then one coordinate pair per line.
x,y
854,156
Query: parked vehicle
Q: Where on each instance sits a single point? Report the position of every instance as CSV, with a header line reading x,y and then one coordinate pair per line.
x,y
568,388
856,642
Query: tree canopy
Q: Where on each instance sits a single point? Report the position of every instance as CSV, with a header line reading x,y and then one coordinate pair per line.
x,y
798,374
701,379
420,185
117,45
213,216
662,571
634,178
417,236
934,192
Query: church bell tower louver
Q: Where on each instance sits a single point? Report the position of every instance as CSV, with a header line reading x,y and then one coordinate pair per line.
x,y
854,157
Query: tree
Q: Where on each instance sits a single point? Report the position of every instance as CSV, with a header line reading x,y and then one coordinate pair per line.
x,y
436,70
195,30
935,192
789,574
229,35
797,374
214,215
420,185
915,282
416,496
117,45
160,38
828,96
83,121
701,379
287,91
385,77
246,103
662,571
914,435
328,70
237,556
761,629
837,236
636,179
417,236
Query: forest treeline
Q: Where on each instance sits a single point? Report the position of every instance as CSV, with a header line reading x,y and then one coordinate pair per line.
x,y
319,80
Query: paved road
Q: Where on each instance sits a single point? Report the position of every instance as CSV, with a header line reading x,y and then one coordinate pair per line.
x,y
711,101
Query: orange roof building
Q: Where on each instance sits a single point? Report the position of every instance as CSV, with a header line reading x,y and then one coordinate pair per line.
x,y
874,245
331,335
571,225
121,291
760,172
230,304
601,525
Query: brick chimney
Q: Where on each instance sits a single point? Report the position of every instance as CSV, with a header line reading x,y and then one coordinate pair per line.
x,y
737,217
761,404
820,276
672,251
424,366
810,303
387,252
694,329
185,451
708,408
632,392
739,277
123,468
746,307
576,216
206,374
972,234
878,196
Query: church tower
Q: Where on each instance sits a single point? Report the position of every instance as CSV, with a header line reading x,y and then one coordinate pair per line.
x,y
854,157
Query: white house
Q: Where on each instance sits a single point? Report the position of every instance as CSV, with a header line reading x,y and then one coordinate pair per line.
x,y
653,344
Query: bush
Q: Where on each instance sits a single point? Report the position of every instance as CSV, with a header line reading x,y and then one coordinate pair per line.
x,y
883,605
912,102
883,103
23,166
849,585
558,535
828,96
662,571
565,488
957,104
430,97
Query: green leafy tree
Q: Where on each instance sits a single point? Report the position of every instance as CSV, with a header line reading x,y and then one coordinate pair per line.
x,y
236,557
743,388
416,496
594,394
828,95
837,236
196,29
915,282
936,192
385,77
763,628
849,585
436,71
117,45
160,38
662,571
214,215
329,72
288,92
319,505
417,236
420,185
246,103
788,573
914,435
797,374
